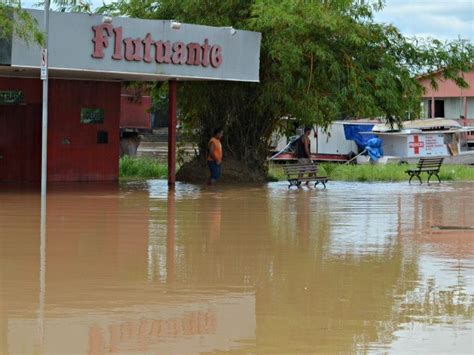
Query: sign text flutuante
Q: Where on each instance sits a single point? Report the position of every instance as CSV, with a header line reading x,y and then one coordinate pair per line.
x,y
149,50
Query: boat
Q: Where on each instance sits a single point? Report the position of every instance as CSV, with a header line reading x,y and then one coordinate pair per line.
x,y
435,137
332,144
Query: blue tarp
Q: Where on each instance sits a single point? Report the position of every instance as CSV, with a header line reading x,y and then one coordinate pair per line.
x,y
369,142
352,132
374,148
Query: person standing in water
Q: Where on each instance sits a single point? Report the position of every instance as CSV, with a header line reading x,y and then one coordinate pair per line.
x,y
303,147
214,159
303,150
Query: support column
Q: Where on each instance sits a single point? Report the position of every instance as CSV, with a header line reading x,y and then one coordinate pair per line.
x,y
171,132
465,110
432,107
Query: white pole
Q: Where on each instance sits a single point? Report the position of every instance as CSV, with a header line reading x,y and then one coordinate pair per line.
x,y
347,162
44,155
281,151
44,77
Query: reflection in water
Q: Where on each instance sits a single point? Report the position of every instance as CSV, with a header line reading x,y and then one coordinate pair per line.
x,y
170,235
138,268
42,273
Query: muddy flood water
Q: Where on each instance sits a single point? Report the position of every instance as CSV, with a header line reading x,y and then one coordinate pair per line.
x,y
133,268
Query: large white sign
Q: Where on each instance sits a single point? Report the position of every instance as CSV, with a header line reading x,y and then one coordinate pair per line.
x,y
423,145
122,48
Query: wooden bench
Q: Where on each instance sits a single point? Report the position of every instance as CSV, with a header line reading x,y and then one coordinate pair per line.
x,y
308,172
430,166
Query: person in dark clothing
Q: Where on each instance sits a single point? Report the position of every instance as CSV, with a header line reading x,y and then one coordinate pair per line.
x,y
303,147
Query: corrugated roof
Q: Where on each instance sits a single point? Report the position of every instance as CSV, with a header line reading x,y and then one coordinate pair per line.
x,y
430,123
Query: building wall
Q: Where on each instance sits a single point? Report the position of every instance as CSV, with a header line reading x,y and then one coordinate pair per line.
x,y
20,132
20,135
135,113
447,88
453,107
73,151
425,103
32,88
394,145
333,142
470,107
449,92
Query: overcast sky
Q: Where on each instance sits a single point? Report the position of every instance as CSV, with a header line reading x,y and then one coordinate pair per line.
x,y
442,19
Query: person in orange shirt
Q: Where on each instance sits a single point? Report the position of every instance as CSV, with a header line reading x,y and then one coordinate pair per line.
x,y
214,159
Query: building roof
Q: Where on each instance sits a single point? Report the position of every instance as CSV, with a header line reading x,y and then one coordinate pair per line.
x,y
426,124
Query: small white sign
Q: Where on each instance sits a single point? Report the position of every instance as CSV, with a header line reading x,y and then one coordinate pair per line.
x,y
44,64
426,145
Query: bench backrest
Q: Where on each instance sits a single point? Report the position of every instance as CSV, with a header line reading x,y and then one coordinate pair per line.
x,y
430,163
300,169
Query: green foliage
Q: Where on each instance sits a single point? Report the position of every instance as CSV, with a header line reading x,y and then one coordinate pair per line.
x,y
367,172
460,172
70,5
14,21
387,172
329,60
131,167
75,5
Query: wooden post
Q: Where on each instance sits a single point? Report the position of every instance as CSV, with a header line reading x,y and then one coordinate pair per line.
x,y
171,133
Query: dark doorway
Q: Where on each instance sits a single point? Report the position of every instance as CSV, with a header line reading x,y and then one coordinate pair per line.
x,y
439,109
20,142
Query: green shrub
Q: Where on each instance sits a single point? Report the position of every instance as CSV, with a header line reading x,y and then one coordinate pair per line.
x,y
387,172
132,167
